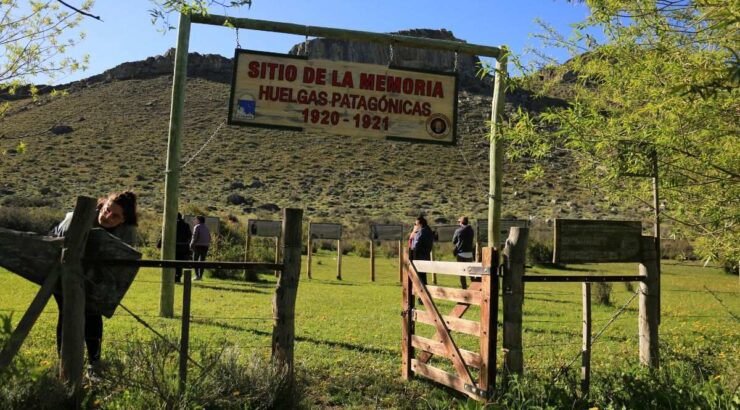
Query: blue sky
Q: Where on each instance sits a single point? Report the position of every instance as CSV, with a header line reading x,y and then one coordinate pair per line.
x,y
127,34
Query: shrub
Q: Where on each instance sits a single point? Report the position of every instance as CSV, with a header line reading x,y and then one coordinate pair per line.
x,y
39,220
362,249
144,375
539,253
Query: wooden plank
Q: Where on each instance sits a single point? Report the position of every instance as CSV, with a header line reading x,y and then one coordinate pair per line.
x,y
468,296
26,323
444,334
386,232
325,231
450,268
442,377
471,359
583,241
264,228
342,97
407,325
488,322
456,324
457,311
28,254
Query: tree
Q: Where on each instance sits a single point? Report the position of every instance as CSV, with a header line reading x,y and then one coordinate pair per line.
x,y
664,77
34,39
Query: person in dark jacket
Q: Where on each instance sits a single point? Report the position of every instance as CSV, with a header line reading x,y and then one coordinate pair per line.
x,y
421,245
117,215
182,244
463,241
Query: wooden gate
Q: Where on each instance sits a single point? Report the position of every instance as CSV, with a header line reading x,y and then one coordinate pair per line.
x,y
442,344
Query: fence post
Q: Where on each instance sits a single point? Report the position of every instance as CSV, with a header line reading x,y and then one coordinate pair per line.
x,y
309,250
586,345
372,260
513,299
400,261
649,304
283,303
339,259
407,327
185,329
488,322
73,294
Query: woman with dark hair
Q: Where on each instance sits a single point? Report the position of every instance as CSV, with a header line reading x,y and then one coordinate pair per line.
x,y
422,243
117,215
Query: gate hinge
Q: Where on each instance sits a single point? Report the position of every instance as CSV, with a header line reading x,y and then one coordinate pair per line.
x,y
475,390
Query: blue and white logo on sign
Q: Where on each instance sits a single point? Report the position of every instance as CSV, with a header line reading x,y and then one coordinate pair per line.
x,y
246,107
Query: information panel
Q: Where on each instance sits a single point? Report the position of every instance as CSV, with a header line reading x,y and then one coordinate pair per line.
x,y
325,231
380,232
265,228
580,241
339,97
444,233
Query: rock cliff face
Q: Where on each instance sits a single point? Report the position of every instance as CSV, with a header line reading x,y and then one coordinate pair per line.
x,y
217,68
406,57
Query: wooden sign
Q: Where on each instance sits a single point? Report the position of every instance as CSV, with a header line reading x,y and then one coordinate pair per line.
x,y
264,228
34,256
345,98
444,233
506,225
325,231
581,241
381,232
212,223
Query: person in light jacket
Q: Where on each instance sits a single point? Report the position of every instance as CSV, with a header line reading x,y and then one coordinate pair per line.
x,y
199,244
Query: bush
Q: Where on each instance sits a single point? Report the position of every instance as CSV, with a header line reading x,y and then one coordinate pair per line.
x,y
144,375
362,249
602,293
539,253
39,220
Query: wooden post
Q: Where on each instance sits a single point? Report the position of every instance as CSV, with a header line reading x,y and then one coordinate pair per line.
x,y
185,330
286,290
339,259
496,152
434,275
488,322
407,326
649,305
246,250
73,294
513,298
172,172
309,250
372,260
586,345
400,261
277,254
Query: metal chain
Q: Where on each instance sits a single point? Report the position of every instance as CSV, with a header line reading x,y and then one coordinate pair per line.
x,y
204,145
390,55
454,66
305,44
237,38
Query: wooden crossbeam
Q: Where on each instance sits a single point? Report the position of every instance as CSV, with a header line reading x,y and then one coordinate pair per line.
x,y
454,323
451,268
468,296
472,359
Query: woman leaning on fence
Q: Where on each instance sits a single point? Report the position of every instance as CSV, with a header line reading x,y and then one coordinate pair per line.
x,y
117,215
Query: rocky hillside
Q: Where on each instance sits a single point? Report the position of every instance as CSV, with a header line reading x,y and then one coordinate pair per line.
x,y
110,132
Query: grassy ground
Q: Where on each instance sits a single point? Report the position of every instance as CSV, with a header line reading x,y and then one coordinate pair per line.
x,y
348,333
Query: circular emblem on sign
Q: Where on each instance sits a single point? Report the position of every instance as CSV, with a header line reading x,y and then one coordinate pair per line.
x,y
438,126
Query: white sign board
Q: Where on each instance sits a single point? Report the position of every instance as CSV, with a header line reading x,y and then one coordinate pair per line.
x,y
325,231
380,232
345,98
264,228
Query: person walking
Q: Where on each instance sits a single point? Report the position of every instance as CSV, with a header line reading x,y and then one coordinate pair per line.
x,y
116,213
463,241
199,244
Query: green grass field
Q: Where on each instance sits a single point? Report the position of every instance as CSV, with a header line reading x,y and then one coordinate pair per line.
x,y
348,333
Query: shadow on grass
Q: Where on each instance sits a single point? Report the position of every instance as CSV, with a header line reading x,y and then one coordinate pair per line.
x,y
318,342
227,289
